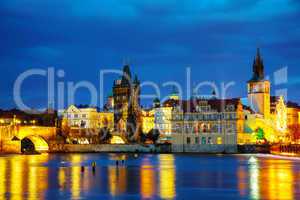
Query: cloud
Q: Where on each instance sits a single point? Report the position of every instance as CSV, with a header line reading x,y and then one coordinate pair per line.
x,y
217,38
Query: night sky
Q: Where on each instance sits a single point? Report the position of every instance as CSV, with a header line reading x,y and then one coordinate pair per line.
x,y
216,39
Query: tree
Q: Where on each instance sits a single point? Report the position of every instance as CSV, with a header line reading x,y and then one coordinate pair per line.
x,y
153,135
104,135
65,129
260,135
294,131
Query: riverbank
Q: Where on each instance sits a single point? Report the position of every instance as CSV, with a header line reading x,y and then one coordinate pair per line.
x,y
138,148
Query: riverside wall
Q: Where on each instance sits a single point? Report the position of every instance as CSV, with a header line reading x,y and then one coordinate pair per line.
x,y
204,148
133,148
81,148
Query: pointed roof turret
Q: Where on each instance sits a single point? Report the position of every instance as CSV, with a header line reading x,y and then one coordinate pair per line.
x,y
258,67
126,78
136,80
174,94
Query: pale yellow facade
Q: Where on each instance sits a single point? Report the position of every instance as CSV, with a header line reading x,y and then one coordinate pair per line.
x,y
147,120
88,118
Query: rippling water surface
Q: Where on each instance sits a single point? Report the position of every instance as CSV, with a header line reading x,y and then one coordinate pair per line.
x,y
158,176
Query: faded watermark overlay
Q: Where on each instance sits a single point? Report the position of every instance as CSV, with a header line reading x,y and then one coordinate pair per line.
x,y
60,93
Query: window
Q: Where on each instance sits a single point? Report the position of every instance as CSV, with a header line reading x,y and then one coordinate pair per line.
x,y
83,115
219,140
209,140
75,115
188,140
196,140
203,140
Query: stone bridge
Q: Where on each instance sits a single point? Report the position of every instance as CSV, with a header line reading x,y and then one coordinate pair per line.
x,y
17,139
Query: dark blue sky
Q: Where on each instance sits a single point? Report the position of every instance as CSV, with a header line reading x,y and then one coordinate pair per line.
x,y
217,39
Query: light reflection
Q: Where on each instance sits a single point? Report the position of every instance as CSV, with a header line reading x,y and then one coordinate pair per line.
x,y
62,178
37,176
117,177
167,176
242,175
279,181
148,180
32,181
254,177
16,178
75,176
3,166
268,179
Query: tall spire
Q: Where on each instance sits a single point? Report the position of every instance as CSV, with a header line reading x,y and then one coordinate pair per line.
x,y
136,80
257,53
258,67
126,78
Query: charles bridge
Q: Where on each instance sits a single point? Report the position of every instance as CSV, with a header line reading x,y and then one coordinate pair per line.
x,y
18,139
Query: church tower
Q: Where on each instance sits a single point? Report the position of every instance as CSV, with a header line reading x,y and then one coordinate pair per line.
x,y
259,88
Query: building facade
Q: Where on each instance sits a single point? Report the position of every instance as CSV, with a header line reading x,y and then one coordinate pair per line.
x,y
126,98
87,118
259,88
197,125
147,120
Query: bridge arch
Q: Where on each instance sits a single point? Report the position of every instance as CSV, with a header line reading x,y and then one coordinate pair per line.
x,y
117,139
34,143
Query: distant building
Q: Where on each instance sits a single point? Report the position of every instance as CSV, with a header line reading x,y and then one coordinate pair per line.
x,y
147,120
87,118
197,123
32,117
109,106
126,98
267,118
259,88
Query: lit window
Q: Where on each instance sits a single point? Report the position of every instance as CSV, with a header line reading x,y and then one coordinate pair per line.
x,y
219,140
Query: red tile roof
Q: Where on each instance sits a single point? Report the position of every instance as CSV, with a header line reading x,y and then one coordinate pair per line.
x,y
190,105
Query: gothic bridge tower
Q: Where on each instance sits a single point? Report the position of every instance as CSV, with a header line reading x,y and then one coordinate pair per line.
x,y
126,96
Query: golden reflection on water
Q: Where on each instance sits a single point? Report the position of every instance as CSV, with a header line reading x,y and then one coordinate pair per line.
x,y
242,176
20,176
62,178
3,164
167,176
268,179
147,179
27,177
75,176
278,181
16,178
117,177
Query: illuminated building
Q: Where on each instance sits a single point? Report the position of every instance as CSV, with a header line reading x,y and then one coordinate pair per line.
x,y
87,118
109,106
259,88
126,98
147,120
197,123
267,118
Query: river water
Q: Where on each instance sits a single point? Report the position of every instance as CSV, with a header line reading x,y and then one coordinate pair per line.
x,y
148,176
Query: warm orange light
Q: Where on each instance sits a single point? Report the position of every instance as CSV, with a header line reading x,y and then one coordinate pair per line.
x,y
117,140
167,176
